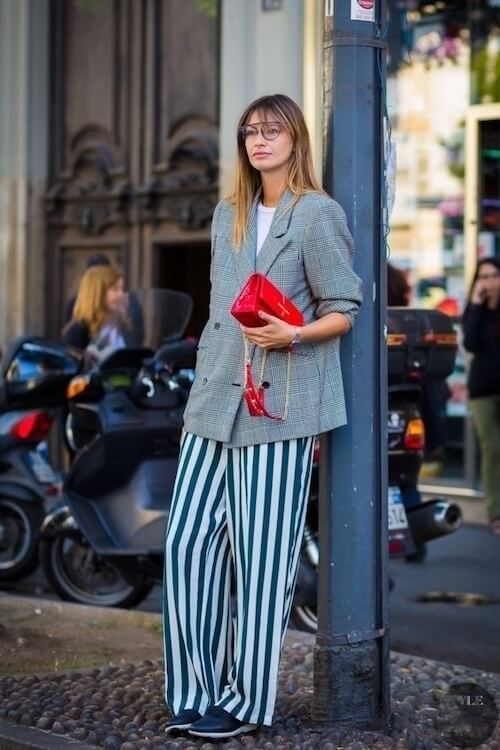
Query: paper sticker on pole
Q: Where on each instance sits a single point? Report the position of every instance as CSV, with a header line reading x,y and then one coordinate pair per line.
x,y
363,10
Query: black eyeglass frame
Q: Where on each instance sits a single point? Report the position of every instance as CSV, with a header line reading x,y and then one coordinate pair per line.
x,y
248,130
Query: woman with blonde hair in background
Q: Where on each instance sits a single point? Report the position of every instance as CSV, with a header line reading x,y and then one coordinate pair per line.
x,y
98,321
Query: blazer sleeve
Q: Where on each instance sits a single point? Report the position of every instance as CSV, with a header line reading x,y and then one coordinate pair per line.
x,y
328,253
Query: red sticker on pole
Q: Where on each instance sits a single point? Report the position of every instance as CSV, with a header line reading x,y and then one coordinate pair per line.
x,y
363,10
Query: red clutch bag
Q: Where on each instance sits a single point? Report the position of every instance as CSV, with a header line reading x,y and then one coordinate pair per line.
x,y
261,294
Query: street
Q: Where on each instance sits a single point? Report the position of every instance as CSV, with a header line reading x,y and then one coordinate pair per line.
x,y
465,562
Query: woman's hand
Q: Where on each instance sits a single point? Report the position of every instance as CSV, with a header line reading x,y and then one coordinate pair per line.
x,y
276,334
478,293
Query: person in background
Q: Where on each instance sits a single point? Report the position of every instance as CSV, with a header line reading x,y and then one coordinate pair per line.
x,y
98,323
398,289
99,259
135,331
481,326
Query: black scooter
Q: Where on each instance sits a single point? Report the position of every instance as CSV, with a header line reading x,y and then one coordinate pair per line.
x,y
104,543
33,379
422,347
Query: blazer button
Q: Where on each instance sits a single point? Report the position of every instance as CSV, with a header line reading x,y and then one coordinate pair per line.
x,y
266,384
216,326
204,381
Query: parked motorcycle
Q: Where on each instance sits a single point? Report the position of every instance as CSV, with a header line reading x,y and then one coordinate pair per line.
x,y
422,347
103,544
33,380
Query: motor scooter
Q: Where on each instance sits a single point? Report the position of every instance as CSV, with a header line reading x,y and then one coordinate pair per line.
x,y
103,544
33,383
422,347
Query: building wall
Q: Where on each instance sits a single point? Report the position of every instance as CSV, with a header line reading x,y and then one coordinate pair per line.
x,y
261,52
23,160
267,52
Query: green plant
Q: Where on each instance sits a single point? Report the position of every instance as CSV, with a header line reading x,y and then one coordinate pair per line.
x,y
208,7
485,75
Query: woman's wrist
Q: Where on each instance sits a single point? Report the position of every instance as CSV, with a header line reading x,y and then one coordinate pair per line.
x,y
297,336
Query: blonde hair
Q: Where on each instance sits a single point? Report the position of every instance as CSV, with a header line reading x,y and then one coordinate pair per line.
x,y
90,304
301,176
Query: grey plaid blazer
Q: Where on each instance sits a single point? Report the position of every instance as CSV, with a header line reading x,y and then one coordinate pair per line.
x,y
308,254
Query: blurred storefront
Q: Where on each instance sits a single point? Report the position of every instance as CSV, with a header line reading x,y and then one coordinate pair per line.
x,y
443,94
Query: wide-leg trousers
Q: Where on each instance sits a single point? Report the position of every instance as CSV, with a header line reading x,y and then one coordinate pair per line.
x,y
232,549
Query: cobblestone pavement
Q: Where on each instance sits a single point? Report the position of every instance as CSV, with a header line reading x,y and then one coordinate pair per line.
x,y
122,708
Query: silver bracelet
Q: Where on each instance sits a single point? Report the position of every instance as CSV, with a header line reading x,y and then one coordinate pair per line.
x,y
296,337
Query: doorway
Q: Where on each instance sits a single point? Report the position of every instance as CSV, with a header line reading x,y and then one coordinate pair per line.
x,y
185,267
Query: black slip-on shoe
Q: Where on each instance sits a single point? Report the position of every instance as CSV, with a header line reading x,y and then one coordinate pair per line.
x,y
182,721
218,723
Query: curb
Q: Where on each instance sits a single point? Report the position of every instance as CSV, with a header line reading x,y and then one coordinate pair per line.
x,y
17,737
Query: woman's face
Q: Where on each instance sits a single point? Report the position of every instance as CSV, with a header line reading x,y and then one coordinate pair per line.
x,y
114,296
272,154
489,277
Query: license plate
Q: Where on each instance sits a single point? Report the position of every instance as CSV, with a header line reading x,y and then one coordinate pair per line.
x,y
41,467
397,513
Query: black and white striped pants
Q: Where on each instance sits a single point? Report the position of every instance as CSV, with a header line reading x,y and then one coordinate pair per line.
x,y
235,529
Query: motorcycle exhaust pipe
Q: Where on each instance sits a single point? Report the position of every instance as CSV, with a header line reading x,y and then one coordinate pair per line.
x,y
433,519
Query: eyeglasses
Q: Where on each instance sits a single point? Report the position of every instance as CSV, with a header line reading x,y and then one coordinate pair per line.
x,y
268,130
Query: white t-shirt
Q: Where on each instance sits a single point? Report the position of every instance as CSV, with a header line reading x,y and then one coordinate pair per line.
x,y
264,220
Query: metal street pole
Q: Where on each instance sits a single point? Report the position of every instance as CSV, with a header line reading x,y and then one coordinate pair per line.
x,y
351,658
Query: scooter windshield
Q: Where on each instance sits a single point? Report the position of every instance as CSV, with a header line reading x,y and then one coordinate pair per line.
x,y
157,316
143,319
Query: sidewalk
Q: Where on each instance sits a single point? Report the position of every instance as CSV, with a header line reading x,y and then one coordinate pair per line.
x,y
118,703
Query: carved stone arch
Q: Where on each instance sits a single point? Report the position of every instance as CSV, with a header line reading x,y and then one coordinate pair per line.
x,y
94,160
92,193
192,151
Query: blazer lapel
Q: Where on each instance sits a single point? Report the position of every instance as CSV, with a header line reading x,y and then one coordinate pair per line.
x,y
276,239
244,258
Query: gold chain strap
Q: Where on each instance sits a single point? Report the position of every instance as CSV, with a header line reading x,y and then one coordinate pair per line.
x,y
262,370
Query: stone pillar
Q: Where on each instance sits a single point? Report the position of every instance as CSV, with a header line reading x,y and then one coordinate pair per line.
x,y
23,164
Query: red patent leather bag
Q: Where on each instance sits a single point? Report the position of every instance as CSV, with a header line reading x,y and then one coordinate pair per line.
x,y
259,294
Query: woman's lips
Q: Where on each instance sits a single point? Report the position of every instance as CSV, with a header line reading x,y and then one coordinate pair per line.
x,y
258,154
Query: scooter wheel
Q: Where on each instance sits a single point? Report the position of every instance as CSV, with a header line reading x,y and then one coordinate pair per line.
x,y
304,618
19,528
78,574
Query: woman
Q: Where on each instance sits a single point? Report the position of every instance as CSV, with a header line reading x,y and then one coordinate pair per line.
x,y
98,320
481,324
242,484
